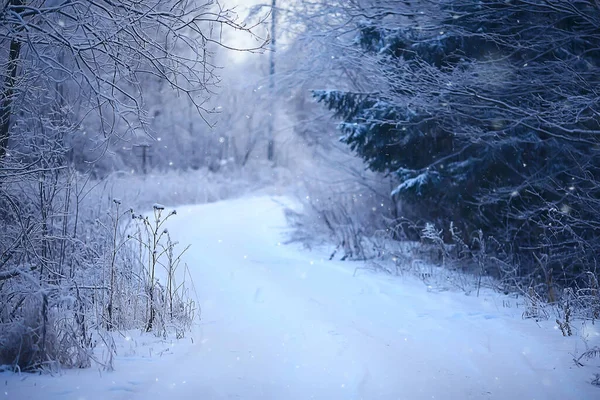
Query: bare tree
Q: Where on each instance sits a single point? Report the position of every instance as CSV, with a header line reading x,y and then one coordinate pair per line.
x,y
82,73
104,52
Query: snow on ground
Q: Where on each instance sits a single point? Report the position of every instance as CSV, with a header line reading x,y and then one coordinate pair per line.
x,y
279,322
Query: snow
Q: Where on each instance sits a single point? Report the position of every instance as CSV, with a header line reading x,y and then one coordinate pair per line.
x,y
417,182
280,322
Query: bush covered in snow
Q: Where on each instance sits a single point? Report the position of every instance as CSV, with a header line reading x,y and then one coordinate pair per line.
x,y
74,266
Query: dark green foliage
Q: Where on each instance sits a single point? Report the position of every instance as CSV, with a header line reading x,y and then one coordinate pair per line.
x,y
488,114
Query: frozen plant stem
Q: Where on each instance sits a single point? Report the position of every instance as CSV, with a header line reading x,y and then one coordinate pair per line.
x,y
154,233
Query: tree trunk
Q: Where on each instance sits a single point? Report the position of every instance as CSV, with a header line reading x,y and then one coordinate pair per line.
x,y
271,134
6,99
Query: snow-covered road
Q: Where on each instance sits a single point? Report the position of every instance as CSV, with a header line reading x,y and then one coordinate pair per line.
x,y
280,322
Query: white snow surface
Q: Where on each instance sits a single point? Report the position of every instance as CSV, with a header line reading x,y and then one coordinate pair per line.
x,y
282,322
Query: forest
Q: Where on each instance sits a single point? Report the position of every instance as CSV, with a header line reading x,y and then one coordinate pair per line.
x,y
457,141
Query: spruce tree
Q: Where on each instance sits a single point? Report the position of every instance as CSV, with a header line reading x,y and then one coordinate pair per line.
x,y
489,117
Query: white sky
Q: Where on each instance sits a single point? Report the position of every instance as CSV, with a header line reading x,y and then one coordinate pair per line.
x,y
241,39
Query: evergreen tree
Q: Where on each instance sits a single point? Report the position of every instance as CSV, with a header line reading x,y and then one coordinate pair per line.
x,y
489,117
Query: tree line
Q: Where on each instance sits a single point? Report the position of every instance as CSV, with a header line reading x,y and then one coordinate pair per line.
x,y
486,113
79,78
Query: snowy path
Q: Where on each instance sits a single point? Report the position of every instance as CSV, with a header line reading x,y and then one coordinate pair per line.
x,y
280,323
